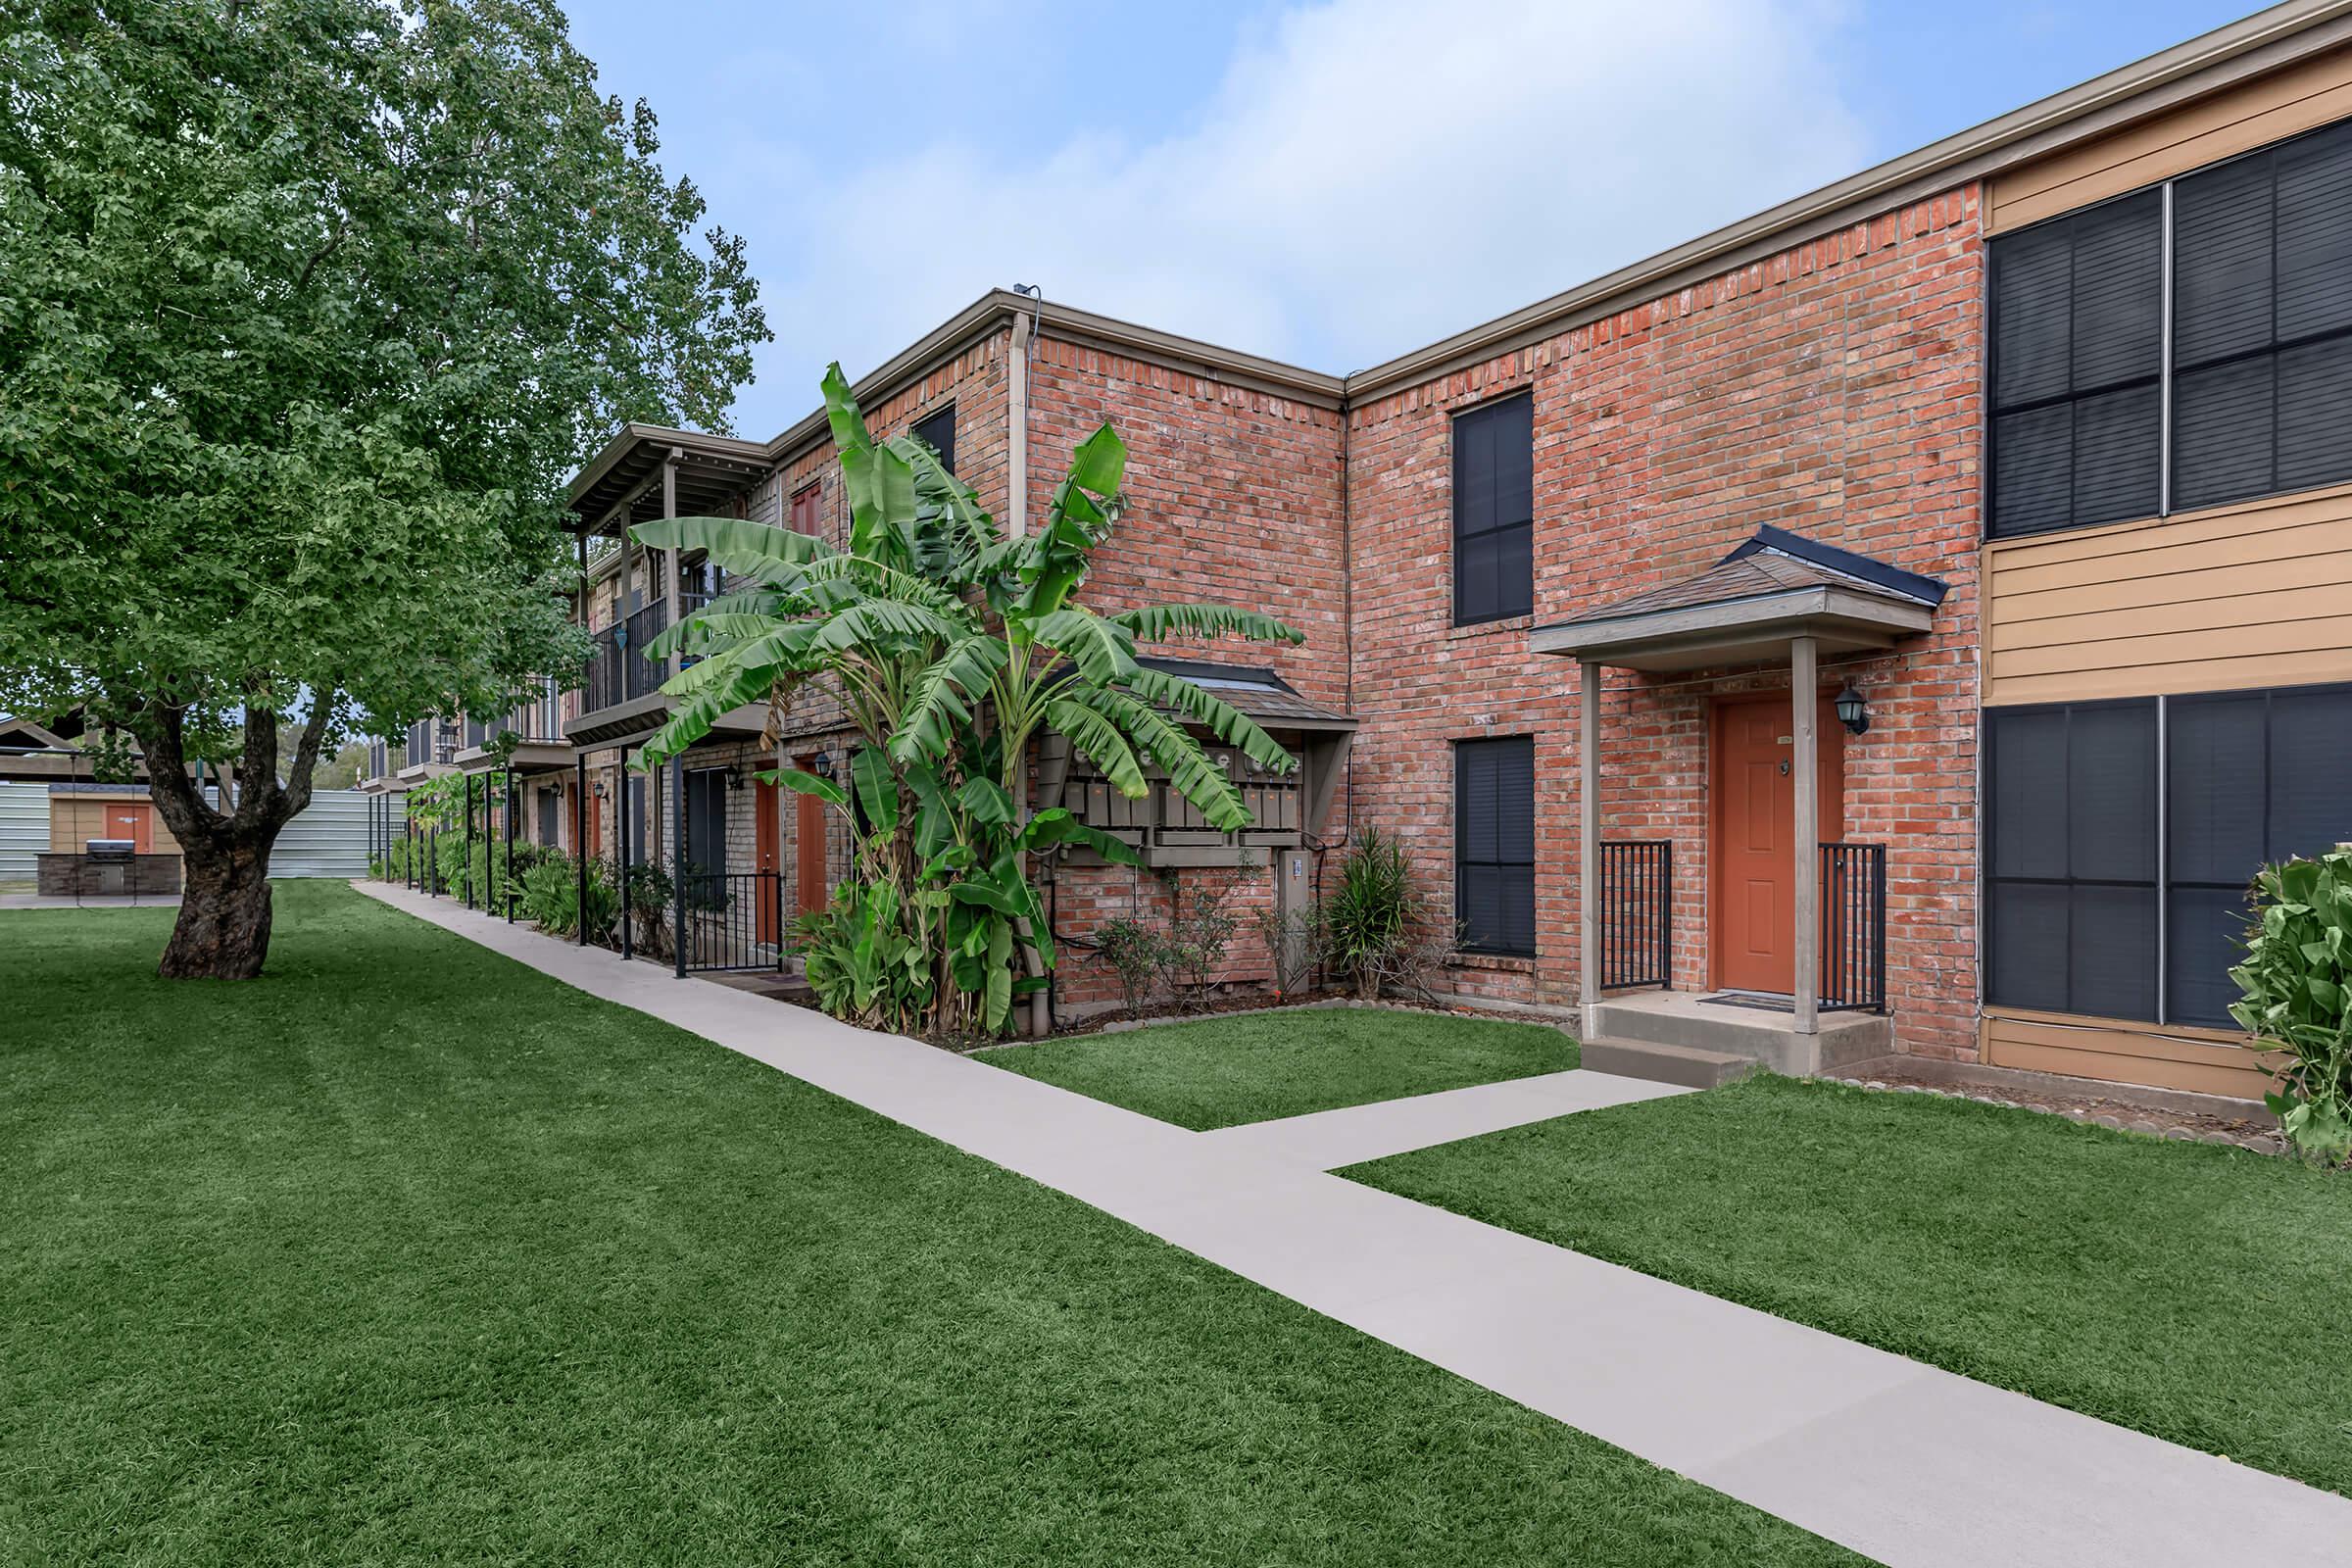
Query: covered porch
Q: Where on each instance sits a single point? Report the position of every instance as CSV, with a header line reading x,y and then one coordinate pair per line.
x,y
1794,914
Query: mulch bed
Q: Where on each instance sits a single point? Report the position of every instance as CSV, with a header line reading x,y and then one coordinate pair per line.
x,y
2254,1132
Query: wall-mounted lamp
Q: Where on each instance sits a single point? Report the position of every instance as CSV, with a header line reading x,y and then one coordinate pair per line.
x,y
1852,712
739,776
821,765
599,788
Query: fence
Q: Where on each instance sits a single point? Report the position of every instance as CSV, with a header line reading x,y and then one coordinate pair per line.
x,y
729,920
1853,926
1637,914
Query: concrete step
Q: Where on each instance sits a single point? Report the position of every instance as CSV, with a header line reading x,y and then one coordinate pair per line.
x,y
1757,1035
1661,1063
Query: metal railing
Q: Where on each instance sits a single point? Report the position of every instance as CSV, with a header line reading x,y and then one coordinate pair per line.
x,y
617,670
1637,914
1853,926
729,920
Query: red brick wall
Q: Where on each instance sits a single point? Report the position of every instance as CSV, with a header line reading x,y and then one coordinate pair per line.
x,y
1233,498
1832,389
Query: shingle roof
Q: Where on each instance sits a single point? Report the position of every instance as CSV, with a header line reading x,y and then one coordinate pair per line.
x,y
1774,562
1255,689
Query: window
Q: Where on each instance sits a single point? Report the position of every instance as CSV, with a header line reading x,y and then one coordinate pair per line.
x,y
938,430
2070,867
2099,414
1495,511
707,820
2083,913
1494,843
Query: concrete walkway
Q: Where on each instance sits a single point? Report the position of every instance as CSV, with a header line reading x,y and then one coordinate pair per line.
x,y
1327,1139
1899,1462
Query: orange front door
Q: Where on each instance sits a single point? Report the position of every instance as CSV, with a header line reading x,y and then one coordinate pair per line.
x,y
767,852
808,847
128,819
1754,790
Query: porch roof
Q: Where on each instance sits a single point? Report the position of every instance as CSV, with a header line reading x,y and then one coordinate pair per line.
x,y
1255,690
1745,608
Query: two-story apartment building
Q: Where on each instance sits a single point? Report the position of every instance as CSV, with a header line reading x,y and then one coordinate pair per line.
x,y
1902,619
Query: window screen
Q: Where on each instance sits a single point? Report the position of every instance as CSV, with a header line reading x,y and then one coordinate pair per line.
x,y
2261,322
1493,510
707,820
2250,777
1494,843
939,431
2071,880
2077,356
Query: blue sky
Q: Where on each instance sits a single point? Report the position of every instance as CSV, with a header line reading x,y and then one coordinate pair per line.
x,y
1330,182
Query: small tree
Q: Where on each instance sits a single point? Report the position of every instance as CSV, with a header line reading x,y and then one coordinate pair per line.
x,y
1368,919
307,310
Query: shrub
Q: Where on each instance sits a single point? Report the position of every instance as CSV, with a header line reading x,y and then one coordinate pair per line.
x,y
1368,919
1295,942
650,895
550,894
2295,1003
1132,948
1192,956
864,958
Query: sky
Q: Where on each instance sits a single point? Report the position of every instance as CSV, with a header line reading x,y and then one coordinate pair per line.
x,y
1327,182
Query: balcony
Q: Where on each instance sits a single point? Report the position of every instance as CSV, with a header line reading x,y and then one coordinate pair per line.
x,y
538,727
617,670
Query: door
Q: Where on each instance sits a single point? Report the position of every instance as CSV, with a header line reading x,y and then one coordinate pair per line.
x,y
808,847
1754,786
134,820
768,854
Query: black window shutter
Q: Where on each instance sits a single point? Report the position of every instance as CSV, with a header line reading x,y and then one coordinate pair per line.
x,y
1493,510
1494,843
939,431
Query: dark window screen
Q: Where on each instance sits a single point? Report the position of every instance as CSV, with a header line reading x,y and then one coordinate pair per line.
x,y
2071,887
639,815
2261,322
1493,510
2250,778
707,820
550,818
2078,359
1494,843
939,431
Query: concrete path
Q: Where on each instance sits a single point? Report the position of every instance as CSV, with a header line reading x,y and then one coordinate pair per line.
x,y
1899,1462
1327,1139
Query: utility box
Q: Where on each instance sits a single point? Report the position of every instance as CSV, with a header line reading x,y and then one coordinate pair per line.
x,y
1293,895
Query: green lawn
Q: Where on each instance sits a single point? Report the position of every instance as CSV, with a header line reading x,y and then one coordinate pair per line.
x,y
2200,1293
1223,1072
406,1253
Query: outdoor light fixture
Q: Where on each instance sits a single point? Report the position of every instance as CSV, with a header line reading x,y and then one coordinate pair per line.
x,y
1852,712
821,765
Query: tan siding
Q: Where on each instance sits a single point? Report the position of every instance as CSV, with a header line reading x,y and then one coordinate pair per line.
x,y
2204,1061
2253,114
2252,595
75,819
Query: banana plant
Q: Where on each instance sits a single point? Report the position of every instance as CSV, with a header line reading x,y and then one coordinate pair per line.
x,y
952,649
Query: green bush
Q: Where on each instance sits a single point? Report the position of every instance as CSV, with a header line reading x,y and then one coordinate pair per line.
x,y
2296,1001
1367,920
864,961
550,894
1132,950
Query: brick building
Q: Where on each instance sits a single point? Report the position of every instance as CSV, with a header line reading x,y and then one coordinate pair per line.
x,y
2023,442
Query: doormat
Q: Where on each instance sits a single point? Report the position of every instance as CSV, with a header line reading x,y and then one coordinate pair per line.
x,y
1744,999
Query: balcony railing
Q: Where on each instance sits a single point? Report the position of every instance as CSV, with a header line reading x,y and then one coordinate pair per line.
x,y
617,670
541,719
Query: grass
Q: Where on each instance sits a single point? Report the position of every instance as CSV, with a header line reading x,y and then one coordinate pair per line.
x,y
405,1253
1223,1072
2200,1293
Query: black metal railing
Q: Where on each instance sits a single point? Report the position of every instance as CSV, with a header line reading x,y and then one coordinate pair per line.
x,y
728,920
1637,914
1853,926
617,670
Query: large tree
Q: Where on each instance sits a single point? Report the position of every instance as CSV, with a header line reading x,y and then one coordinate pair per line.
x,y
306,308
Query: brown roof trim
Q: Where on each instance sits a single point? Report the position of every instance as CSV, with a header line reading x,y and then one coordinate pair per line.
x,y
2262,42
630,436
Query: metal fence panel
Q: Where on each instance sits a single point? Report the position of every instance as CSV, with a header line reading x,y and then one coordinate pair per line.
x,y
24,829
328,839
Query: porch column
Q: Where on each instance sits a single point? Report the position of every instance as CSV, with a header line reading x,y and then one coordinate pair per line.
x,y
1804,701
1587,847
669,556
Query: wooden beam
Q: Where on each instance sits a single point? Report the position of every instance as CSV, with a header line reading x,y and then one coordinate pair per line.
x,y
1804,703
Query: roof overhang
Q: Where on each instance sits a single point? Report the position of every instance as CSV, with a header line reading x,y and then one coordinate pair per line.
x,y
1737,631
531,757
622,484
635,723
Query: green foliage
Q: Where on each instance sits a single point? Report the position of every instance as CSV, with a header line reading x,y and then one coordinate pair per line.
x,y
1132,950
308,309
550,894
2295,999
1192,954
1367,919
953,650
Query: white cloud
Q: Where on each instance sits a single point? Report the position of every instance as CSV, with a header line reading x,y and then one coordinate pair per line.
x,y
1368,176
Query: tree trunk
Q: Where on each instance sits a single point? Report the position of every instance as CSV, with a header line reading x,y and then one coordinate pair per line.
x,y
223,929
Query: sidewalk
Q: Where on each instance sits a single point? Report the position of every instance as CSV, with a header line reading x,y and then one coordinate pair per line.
x,y
1903,1462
